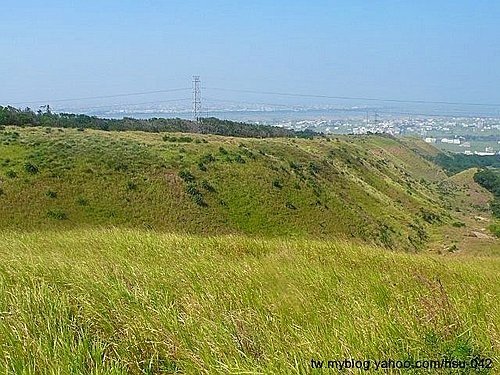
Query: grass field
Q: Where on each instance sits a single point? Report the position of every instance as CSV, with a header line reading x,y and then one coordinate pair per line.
x,y
150,253
130,301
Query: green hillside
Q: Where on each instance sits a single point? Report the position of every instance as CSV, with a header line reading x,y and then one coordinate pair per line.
x,y
372,188
146,253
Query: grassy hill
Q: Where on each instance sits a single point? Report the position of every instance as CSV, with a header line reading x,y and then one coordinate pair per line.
x,y
372,188
144,253
118,301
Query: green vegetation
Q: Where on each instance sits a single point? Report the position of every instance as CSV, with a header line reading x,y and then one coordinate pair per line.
x,y
490,180
371,188
139,302
146,253
454,163
49,120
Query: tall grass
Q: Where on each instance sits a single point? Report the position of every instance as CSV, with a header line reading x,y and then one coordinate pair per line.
x,y
128,301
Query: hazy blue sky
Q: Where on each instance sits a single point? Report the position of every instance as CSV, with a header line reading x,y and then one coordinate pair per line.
x,y
432,50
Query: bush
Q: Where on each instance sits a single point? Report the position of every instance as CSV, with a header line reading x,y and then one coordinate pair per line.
x,y
51,194
313,168
191,189
131,186
57,214
430,217
1,192
31,168
277,184
167,138
202,167
207,186
186,176
207,158
222,150
495,229
295,166
458,224
82,201
120,166
198,199
239,159
495,207
196,195
11,174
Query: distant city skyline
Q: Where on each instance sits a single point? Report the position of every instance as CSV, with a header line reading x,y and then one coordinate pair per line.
x,y
434,51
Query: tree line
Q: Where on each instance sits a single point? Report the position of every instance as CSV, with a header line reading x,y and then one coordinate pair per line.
x,y
27,117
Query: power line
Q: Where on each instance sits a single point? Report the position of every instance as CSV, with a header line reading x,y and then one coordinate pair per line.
x,y
352,97
103,96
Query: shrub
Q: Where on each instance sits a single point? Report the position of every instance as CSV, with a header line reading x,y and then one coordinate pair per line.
x,y
192,190
313,168
222,150
131,186
295,166
429,216
186,176
277,184
2,127
11,174
495,207
207,158
239,159
184,139
31,168
202,167
82,201
458,224
198,199
1,192
51,194
495,229
57,214
291,206
207,186
196,195
120,166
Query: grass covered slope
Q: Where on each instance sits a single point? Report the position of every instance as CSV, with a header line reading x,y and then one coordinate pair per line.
x,y
373,188
127,301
